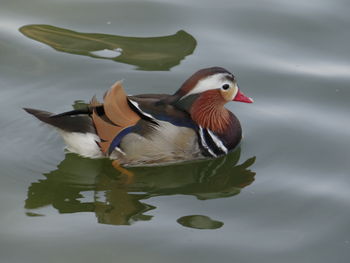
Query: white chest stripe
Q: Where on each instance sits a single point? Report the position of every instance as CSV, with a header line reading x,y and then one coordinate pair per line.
x,y
136,105
204,143
217,141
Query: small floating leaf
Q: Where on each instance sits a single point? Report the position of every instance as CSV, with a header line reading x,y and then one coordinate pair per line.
x,y
147,53
199,222
32,214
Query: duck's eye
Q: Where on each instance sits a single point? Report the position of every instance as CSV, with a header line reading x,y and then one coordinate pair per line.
x,y
225,86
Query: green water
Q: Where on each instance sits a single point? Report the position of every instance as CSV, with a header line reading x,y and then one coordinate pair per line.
x,y
281,197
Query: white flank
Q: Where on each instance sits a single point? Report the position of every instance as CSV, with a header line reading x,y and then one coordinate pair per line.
x,y
204,143
82,143
217,141
211,82
138,108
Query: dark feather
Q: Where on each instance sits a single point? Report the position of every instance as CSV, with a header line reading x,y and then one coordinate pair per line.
x,y
66,122
73,112
186,103
159,109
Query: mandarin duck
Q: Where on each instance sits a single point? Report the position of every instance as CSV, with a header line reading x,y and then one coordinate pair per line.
x,y
156,128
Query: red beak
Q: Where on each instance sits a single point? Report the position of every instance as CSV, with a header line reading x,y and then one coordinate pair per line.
x,y
242,98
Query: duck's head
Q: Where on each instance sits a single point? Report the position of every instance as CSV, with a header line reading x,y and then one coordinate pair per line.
x,y
204,95
215,81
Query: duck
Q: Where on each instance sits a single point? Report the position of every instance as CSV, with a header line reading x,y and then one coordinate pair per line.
x,y
150,129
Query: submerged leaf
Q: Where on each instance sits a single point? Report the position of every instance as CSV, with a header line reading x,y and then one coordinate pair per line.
x,y
147,53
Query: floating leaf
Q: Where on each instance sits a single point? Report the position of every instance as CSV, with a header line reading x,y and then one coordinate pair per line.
x,y
199,222
147,53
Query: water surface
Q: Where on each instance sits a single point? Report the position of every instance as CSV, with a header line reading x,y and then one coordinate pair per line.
x,y
283,197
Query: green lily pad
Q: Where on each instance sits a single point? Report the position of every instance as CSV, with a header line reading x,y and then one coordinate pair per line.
x,y
199,222
147,53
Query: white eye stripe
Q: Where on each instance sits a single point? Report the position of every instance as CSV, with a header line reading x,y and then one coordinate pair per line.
x,y
209,83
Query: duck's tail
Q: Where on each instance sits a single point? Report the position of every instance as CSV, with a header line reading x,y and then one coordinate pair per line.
x,y
72,121
98,125
76,128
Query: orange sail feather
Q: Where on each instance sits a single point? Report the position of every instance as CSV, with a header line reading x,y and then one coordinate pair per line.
x,y
118,115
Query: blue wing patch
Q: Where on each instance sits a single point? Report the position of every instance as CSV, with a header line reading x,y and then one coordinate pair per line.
x,y
116,141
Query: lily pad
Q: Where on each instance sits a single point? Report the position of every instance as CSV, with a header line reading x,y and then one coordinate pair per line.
x,y
199,222
147,53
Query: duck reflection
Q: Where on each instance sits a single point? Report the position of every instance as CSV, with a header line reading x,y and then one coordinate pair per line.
x,y
118,203
147,53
